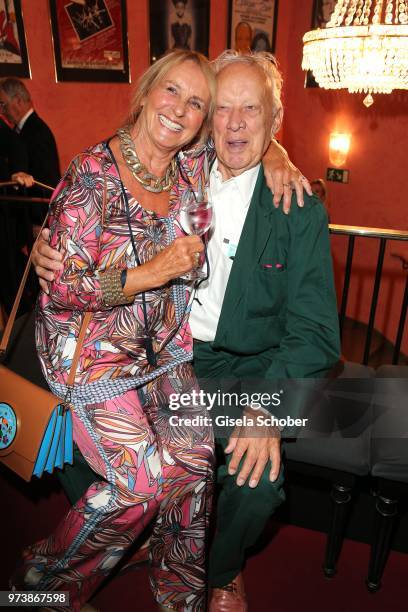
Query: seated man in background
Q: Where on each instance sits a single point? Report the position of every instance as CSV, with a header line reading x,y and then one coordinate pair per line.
x,y
267,312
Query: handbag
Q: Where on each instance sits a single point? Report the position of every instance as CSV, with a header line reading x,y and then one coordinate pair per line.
x,y
36,425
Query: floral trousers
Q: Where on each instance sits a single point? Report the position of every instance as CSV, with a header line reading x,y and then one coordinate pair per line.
x,y
153,471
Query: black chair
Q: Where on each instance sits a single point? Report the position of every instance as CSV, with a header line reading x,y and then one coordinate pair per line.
x,y
389,461
336,447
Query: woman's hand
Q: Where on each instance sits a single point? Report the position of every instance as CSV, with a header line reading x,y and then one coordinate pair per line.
x,y
180,257
45,260
175,260
283,177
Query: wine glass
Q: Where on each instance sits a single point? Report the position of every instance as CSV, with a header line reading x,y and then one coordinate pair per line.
x,y
196,218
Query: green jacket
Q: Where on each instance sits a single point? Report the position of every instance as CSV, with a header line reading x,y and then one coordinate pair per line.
x,y
279,315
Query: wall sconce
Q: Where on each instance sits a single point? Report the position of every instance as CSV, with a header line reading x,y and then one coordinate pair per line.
x,y
338,148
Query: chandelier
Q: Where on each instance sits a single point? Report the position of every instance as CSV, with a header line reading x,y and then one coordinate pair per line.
x,y
363,48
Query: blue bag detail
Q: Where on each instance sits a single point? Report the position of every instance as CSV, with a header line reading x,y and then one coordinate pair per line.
x,y
59,457
69,444
45,446
8,425
57,446
49,466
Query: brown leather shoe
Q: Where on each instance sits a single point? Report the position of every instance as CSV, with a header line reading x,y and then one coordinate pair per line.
x,y
229,598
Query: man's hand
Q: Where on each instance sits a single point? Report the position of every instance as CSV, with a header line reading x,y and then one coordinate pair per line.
x,y
259,444
46,260
282,177
23,179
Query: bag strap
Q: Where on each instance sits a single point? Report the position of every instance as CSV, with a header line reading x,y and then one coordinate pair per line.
x,y
88,315
10,321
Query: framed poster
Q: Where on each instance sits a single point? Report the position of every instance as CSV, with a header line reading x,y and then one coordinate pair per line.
x,y
322,10
90,40
13,49
179,24
252,25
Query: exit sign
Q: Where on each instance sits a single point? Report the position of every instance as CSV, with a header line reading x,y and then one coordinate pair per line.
x,y
337,175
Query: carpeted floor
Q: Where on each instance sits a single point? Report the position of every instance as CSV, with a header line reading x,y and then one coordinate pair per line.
x,y
285,576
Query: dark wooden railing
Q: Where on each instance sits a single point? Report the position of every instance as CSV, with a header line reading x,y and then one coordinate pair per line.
x,y
383,236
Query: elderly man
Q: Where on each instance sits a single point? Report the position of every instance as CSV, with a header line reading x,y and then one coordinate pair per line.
x,y
268,310
43,164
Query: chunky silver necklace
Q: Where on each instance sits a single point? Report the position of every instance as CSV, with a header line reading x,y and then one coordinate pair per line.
x,y
149,181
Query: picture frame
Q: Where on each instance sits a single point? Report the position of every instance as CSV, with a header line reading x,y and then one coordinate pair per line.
x,y
90,40
322,10
181,24
13,47
252,25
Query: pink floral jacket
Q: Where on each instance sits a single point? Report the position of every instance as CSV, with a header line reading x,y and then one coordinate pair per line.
x,y
113,355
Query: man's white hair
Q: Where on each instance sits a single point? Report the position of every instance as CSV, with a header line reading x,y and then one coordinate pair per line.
x,y
13,87
268,65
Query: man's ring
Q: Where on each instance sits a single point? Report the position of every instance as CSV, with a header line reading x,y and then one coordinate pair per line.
x,y
286,184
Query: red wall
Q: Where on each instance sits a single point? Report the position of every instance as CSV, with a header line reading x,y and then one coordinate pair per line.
x,y
376,195
83,113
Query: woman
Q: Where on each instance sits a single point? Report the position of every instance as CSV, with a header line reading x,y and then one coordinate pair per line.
x,y
163,119
137,346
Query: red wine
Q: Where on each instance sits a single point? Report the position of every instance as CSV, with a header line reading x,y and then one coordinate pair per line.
x,y
199,218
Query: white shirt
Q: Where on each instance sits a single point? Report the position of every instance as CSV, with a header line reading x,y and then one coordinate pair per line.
x,y
230,200
23,119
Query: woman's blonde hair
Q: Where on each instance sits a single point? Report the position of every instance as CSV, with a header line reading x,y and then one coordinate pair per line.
x,y
268,65
158,71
